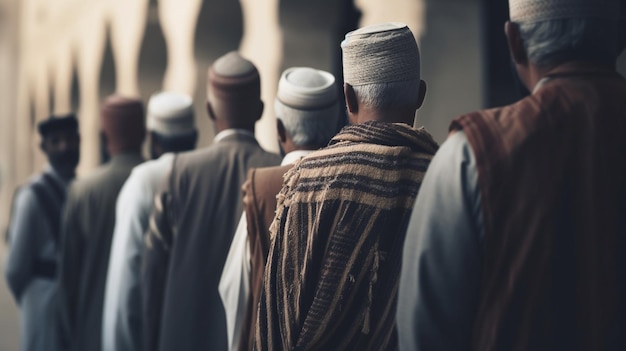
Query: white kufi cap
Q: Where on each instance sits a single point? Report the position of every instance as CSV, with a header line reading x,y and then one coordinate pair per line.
x,y
307,88
381,53
530,11
170,114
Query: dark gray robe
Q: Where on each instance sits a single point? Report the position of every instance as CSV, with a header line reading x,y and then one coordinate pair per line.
x,y
192,225
87,231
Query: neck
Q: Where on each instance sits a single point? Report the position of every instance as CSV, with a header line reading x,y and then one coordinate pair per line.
x,y
537,73
222,125
391,115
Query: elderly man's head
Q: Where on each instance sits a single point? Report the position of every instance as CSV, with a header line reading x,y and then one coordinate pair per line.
x,y
381,67
546,33
307,109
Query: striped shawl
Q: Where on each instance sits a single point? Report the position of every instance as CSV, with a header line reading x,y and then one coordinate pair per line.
x,y
332,274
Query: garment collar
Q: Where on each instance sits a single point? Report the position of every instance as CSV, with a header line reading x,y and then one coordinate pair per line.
x,y
126,158
232,131
387,134
294,156
574,68
56,176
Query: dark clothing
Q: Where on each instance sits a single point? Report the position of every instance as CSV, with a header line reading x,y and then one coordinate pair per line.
x,y
195,216
87,231
552,174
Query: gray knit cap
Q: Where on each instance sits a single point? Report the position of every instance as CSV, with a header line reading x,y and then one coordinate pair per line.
x,y
381,53
529,11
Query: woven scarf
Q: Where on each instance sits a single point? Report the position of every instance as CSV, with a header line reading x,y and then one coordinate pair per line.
x,y
331,279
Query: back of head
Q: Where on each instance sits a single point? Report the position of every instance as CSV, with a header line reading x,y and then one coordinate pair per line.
x,y
234,90
123,124
307,104
170,121
55,123
382,64
557,31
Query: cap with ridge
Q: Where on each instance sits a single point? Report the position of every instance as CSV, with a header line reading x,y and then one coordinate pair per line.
x,y
381,53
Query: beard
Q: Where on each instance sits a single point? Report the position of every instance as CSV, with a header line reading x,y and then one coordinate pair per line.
x,y
65,161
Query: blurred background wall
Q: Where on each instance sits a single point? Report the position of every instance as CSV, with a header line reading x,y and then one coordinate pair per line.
x,y
58,56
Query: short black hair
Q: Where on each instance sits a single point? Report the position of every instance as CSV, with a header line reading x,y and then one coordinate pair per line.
x,y
55,123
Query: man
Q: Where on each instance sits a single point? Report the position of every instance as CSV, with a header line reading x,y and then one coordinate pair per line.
x,y
307,112
516,241
170,122
31,267
88,222
195,216
332,272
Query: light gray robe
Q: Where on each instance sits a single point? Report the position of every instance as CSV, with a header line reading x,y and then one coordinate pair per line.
x,y
31,241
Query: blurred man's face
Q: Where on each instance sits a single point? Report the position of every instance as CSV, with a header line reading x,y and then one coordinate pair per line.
x,y
63,150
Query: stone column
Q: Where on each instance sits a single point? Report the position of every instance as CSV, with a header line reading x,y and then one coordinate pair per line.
x,y
262,44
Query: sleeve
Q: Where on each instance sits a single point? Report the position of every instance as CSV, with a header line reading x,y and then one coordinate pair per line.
x,y
155,262
72,248
234,284
442,259
121,324
23,230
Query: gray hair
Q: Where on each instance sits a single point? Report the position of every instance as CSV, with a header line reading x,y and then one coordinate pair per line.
x,y
388,95
309,127
555,41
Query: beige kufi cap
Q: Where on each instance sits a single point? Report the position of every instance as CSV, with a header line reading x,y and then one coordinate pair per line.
x,y
381,53
170,114
529,11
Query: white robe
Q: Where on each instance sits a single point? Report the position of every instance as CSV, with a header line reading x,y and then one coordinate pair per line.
x,y
121,317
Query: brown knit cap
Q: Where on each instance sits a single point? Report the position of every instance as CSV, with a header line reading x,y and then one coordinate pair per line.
x,y
234,77
123,123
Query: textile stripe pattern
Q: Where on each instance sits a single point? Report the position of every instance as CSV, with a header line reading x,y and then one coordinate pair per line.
x,y
332,274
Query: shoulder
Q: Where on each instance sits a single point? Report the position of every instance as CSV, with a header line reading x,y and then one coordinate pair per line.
x,y
265,180
268,175
149,170
89,183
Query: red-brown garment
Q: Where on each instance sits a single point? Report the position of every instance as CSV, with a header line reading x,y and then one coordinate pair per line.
x,y
259,202
552,174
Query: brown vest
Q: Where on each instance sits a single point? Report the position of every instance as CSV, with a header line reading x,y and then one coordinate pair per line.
x,y
259,201
552,174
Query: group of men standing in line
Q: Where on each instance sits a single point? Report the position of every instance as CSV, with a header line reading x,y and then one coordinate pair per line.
x,y
508,237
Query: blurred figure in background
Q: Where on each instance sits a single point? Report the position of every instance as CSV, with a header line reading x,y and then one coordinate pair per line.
x,y
171,128
195,216
332,272
307,112
517,238
88,222
31,268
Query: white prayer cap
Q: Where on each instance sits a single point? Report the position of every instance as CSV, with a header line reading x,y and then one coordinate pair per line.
x,y
381,53
529,11
306,88
170,114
